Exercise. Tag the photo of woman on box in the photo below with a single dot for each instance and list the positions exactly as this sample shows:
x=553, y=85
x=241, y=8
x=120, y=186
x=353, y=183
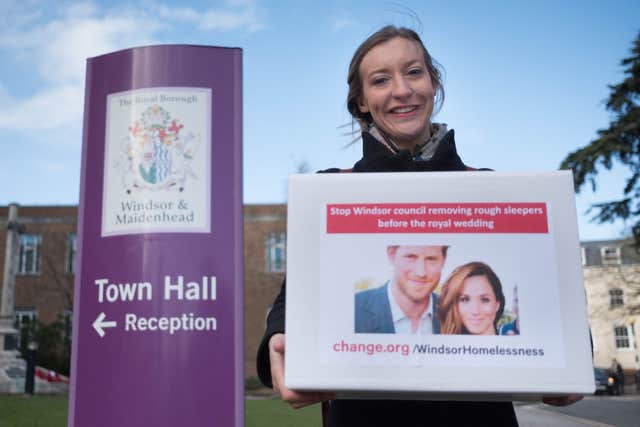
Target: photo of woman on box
x=394, y=88
x=471, y=301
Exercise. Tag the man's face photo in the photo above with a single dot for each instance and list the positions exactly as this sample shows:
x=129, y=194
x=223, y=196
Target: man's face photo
x=416, y=269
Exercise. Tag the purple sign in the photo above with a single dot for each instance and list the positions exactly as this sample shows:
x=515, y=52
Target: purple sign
x=158, y=320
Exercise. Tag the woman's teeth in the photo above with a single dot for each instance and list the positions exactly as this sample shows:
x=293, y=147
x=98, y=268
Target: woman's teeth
x=401, y=110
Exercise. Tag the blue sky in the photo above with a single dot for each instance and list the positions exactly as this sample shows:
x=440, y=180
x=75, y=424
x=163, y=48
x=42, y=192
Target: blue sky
x=525, y=81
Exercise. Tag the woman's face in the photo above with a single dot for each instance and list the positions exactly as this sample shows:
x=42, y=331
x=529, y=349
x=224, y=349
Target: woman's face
x=397, y=91
x=478, y=306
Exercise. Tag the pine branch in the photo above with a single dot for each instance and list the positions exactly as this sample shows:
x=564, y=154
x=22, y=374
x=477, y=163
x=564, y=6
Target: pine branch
x=610, y=211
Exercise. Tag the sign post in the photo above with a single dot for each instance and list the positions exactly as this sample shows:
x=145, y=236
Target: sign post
x=158, y=330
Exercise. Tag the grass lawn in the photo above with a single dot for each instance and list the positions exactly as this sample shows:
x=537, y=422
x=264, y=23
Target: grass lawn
x=275, y=413
x=38, y=411
x=51, y=411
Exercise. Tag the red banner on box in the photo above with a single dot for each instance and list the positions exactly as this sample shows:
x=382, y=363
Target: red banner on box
x=530, y=218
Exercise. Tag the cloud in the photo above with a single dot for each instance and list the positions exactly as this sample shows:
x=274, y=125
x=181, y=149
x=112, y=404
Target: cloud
x=54, y=107
x=5, y=98
x=74, y=40
x=341, y=21
x=54, y=167
x=59, y=47
x=56, y=42
x=56, y=50
x=236, y=15
x=339, y=24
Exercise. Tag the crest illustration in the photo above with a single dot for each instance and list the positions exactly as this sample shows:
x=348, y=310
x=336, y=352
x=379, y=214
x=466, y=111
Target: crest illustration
x=157, y=152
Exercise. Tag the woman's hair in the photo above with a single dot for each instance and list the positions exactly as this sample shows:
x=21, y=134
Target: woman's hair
x=450, y=319
x=383, y=35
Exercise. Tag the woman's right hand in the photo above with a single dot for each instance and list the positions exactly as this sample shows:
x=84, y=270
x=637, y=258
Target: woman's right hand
x=294, y=398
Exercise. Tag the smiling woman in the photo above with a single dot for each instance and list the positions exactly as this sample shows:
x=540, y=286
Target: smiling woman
x=397, y=92
x=394, y=88
x=394, y=85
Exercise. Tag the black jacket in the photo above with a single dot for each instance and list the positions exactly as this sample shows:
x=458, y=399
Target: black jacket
x=402, y=413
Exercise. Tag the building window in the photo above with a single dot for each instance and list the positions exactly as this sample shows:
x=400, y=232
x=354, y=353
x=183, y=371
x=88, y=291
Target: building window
x=276, y=252
x=25, y=317
x=67, y=322
x=616, y=298
x=71, y=253
x=610, y=255
x=623, y=337
x=29, y=261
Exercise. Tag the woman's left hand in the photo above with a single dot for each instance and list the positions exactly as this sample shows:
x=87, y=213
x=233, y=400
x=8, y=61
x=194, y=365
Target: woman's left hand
x=562, y=401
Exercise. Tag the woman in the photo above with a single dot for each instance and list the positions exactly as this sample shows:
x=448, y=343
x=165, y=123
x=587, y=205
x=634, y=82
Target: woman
x=394, y=87
x=471, y=301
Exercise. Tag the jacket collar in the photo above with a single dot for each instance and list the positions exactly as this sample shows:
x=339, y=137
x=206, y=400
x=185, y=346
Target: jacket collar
x=378, y=158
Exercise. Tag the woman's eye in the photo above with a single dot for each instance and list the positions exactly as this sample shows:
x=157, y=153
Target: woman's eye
x=379, y=81
x=464, y=298
x=486, y=300
x=415, y=71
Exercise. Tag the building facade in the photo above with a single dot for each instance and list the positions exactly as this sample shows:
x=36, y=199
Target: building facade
x=46, y=266
x=45, y=278
x=612, y=281
x=265, y=240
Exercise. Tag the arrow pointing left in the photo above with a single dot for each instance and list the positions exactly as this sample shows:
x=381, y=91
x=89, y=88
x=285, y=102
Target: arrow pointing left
x=99, y=324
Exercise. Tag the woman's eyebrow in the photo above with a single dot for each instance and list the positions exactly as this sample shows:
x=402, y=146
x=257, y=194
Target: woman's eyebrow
x=385, y=69
x=378, y=70
x=413, y=61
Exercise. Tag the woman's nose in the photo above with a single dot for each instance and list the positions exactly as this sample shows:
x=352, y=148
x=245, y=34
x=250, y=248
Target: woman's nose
x=401, y=88
x=475, y=307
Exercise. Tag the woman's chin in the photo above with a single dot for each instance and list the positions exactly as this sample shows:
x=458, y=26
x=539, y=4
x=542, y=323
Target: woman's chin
x=480, y=330
x=404, y=129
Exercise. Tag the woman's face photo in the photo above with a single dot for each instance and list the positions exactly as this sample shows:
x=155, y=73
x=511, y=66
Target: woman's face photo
x=397, y=91
x=478, y=306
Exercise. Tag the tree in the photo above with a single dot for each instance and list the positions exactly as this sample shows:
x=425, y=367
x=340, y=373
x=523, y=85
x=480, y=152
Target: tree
x=54, y=351
x=54, y=267
x=55, y=290
x=54, y=339
x=619, y=143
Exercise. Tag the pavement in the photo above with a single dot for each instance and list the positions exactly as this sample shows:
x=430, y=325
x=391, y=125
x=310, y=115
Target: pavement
x=537, y=416
x=613, y=411
x=533, y=414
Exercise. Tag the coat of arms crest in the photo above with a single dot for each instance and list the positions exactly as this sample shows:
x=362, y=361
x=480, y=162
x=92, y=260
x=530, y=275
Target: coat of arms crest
x=157, y=152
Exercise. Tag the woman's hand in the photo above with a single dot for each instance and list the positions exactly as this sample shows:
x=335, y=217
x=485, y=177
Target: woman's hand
x=562, y=401
x=295, y=399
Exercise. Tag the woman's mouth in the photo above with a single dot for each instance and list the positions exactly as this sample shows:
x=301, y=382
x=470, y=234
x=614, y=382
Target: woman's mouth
x=403, y=110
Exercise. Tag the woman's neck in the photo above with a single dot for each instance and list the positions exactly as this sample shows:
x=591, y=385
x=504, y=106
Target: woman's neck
x=396, y=145
x=413, y=144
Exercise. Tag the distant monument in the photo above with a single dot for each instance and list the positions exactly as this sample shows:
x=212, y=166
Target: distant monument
x=11, y=367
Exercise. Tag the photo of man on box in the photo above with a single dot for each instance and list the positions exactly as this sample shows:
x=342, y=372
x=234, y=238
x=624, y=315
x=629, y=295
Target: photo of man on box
x=407, y=303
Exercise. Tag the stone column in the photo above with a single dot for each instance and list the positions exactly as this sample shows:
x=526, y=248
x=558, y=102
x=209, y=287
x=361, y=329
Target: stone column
x=11, y=367
x=9, y=275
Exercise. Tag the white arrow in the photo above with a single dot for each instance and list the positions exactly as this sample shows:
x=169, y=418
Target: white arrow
x=99, y=324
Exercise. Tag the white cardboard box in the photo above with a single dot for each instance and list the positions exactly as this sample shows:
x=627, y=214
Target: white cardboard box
x=523, y=225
